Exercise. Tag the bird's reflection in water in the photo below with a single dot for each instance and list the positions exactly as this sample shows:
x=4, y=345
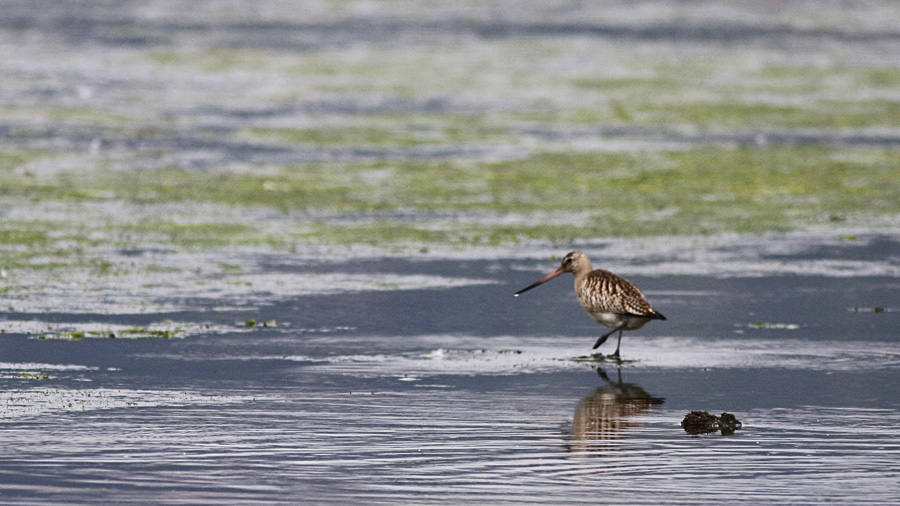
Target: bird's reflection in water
x=606, y=414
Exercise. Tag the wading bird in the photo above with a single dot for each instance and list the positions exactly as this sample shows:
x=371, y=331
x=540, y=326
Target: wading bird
x=610, y=299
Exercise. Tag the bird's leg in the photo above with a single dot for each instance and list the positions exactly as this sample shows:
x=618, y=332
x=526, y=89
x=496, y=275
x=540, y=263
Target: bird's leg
x=616, y=354
x=603, y=338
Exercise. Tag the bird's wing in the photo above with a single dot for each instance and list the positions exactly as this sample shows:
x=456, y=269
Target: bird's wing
x=616, y=294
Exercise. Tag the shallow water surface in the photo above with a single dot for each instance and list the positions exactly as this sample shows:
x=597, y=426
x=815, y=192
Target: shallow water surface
x=463, y=393
x=252, y=253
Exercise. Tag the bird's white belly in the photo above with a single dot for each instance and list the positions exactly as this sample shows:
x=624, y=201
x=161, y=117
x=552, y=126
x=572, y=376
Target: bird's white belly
x=613, y=320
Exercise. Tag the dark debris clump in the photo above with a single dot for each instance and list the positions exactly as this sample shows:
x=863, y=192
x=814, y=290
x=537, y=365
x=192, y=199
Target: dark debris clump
x=701, y=422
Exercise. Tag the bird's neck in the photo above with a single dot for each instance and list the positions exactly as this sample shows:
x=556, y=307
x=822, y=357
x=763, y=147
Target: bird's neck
x=581, y=275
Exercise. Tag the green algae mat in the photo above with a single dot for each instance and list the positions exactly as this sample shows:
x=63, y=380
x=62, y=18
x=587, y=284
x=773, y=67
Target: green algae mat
x=458, y=131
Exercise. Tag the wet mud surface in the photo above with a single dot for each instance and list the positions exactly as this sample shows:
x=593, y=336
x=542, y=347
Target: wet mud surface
x=140, y=86
x=203, y=335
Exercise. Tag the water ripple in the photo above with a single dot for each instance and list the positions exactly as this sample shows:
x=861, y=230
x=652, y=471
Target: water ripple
x=457, y=448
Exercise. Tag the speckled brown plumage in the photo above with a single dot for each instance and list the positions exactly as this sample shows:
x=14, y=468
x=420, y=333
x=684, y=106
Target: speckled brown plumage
x=610, y=299
x=601, y=291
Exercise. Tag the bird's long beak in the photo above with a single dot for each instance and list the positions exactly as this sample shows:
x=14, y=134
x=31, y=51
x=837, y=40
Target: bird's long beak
x=546, y=278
